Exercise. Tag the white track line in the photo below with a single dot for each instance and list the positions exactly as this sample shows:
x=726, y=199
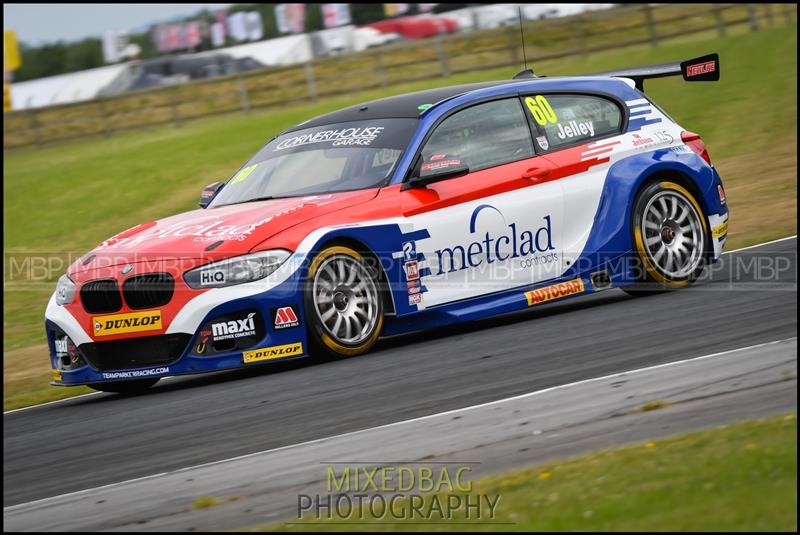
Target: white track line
x=761, y=244
x=95, y=393
x=51, y=402
x=65, y=399
x=11, y=508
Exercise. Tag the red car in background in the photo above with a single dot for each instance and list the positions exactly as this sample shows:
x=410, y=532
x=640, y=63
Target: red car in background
x=416, y=27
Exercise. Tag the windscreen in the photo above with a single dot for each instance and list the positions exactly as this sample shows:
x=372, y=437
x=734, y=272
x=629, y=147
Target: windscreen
x=337, y=157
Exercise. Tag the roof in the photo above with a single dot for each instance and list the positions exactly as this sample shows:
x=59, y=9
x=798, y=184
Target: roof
x=399, y=106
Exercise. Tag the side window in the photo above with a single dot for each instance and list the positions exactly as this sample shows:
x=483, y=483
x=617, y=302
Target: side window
x=571, y=119
x=483, y=136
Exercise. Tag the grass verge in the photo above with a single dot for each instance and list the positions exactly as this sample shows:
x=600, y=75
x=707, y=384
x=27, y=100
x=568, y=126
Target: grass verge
x=740, y=477
x=64, y=199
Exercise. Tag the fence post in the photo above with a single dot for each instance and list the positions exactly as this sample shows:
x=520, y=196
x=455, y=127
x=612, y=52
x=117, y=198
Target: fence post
x=34, y=126
x=104, y=117
x=176, y=117
x=581, y=29
x=380, y=68
x=651, y=26
x=720, y=21
x=787, y=14
x=751, y=8
x=310, y=83
x=768, y=9
x=514, y=43
x=244, y=98
x=443, y=59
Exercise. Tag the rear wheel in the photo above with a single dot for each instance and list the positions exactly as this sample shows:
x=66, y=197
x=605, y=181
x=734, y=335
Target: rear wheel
x=342, y=302
x=125, y=387
x=670, y=238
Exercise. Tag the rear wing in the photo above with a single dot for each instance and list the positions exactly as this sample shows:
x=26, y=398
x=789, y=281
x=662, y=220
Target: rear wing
x=702, y=69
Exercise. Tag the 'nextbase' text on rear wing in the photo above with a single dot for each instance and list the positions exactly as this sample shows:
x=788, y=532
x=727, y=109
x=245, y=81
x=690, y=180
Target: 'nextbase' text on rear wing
x=702, y=69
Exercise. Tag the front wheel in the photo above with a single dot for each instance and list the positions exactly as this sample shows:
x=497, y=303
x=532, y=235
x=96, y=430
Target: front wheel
x=342, y=302
x=670, y=238
x=136, y=386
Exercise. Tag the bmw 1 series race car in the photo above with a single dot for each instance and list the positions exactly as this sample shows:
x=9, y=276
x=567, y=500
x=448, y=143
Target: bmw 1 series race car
x=400, y=214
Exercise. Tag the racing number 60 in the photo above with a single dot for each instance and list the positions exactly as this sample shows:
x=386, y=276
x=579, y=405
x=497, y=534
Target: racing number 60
x=541, y=110
x=244, y=173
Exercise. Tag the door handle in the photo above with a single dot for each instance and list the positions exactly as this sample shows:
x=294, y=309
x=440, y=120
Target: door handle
x=536, y=173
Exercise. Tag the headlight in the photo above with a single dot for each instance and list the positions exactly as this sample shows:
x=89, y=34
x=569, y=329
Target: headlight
x=237, y=270
x=65, y=290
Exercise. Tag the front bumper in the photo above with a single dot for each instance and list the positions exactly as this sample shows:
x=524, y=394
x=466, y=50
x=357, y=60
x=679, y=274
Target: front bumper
x=192, y=345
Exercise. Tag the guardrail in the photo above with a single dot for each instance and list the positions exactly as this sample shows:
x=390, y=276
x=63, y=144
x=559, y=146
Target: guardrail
x=577, y=35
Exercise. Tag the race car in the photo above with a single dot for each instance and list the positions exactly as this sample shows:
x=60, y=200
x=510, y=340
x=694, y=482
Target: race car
x=405, y=213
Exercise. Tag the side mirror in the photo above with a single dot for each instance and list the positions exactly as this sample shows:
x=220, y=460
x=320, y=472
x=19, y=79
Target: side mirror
x=209, y=192
x=438, y=167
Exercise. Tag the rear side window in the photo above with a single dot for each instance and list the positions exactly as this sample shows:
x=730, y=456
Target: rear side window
x=572, y=119
x=484, y=135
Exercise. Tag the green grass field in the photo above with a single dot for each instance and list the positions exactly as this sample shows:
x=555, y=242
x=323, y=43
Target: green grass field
x=741, y=477
x=64, y=199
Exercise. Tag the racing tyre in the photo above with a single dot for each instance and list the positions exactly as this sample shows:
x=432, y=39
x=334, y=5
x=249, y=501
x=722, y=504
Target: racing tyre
x=670, y=237
x=343, y=304
x=137, y=386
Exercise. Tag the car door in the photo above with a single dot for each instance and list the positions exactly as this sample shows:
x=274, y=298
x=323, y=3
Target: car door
x=577, y=133
x=497, y=227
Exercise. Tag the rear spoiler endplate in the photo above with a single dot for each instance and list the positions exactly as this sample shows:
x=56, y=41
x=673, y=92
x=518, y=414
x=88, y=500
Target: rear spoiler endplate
x=702, y=69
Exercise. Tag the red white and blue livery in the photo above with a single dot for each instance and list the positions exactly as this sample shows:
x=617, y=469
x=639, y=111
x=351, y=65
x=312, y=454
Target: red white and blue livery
x=410, y=212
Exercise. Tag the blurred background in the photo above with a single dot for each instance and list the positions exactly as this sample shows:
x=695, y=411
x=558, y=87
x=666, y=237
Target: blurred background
x=104, y=54
x=120, y=114
x=87, y=69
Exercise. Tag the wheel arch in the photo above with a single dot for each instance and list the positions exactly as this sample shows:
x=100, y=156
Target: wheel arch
x=678, y=176
x=362, y=248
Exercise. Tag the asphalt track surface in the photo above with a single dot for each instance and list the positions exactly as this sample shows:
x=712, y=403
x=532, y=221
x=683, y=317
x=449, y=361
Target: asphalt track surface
x=750, y=298
x=279, y=486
